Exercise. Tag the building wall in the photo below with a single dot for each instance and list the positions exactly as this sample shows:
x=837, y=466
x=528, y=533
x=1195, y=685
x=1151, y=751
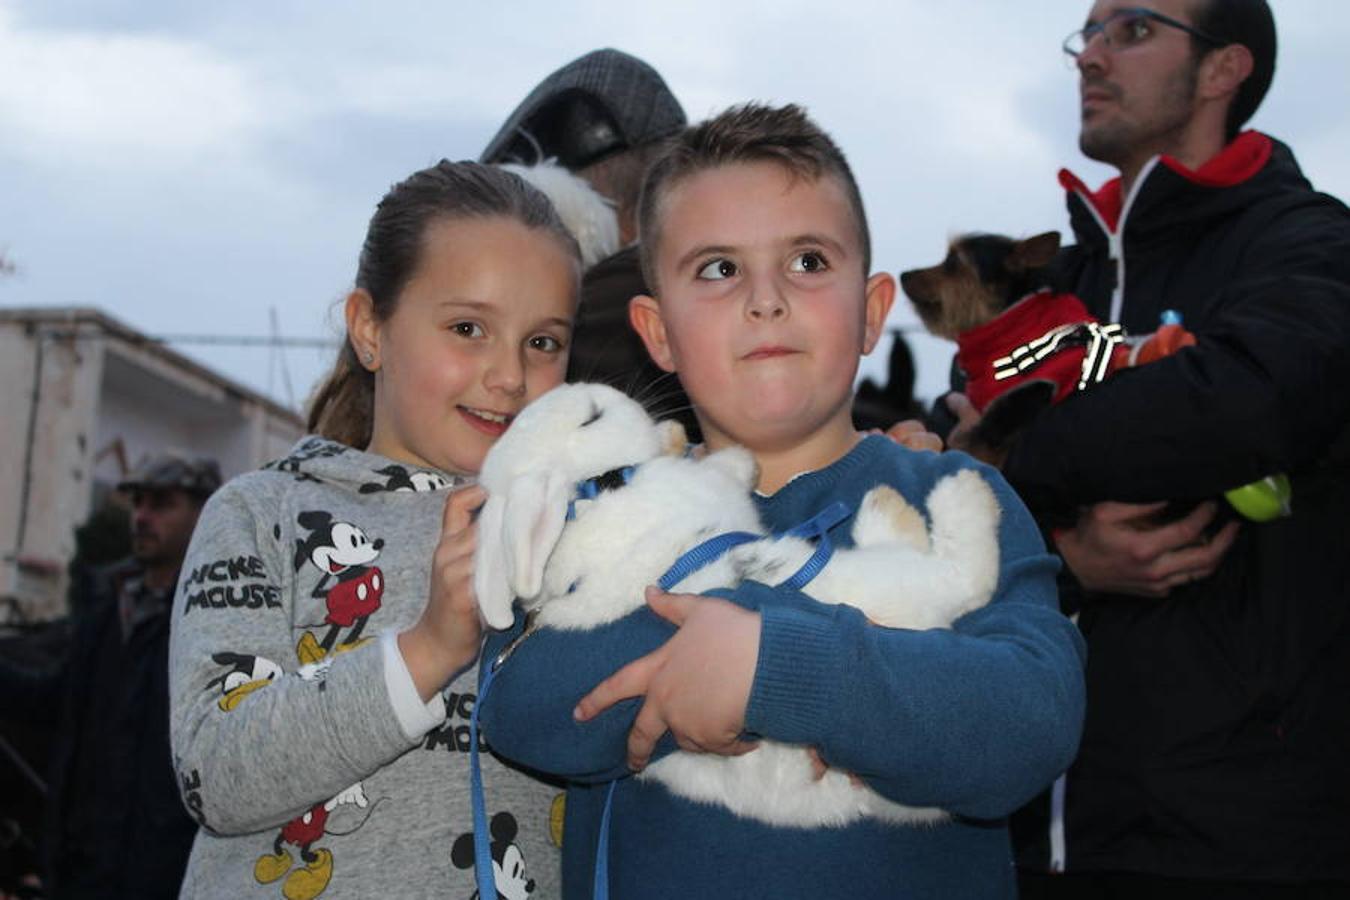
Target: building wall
x=52, y=481
x=106, y=399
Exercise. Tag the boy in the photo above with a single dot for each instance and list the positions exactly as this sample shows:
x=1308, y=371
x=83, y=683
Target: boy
x=756, y=246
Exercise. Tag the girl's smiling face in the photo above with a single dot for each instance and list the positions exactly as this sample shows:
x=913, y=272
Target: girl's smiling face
x=480, y=329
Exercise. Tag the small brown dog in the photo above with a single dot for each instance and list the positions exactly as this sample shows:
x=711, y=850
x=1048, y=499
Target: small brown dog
x=982, y=276
x=1020, y=344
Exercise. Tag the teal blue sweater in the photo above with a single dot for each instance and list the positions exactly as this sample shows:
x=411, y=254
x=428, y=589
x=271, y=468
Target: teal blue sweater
x=976, y=720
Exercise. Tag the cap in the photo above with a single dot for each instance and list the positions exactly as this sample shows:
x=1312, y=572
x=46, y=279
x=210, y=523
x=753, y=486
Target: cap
x=595, y=106
x=200, y=476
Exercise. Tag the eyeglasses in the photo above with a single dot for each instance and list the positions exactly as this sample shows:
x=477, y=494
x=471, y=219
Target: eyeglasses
x=1129, y=28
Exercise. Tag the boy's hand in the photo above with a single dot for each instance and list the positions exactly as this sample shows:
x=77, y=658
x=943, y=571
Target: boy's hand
x=447, y=637
x=696, y=685
x=1123, y=549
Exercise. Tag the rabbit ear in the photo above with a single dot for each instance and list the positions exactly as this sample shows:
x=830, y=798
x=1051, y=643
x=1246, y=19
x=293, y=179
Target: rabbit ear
x=673, y=437
x=536, y=510
x=490, y=575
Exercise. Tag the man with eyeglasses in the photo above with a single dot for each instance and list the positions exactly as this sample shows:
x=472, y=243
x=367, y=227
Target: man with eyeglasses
x=1215, y=760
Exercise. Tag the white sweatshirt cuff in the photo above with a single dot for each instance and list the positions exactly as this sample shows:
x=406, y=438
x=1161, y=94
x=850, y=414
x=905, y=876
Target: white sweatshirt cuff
x=414, y=717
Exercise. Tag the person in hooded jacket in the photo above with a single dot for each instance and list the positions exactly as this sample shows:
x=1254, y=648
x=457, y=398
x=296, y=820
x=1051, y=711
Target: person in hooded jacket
x=1213, y=758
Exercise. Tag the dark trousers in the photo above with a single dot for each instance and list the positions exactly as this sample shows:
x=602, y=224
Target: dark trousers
x=1131, y=886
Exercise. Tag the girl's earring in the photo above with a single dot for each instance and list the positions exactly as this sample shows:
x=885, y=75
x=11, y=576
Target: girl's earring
x=368, y=358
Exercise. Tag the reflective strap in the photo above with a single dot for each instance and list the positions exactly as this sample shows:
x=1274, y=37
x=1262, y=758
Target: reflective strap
x=1102, y=341
x=1031, y=354
x=1099, y=340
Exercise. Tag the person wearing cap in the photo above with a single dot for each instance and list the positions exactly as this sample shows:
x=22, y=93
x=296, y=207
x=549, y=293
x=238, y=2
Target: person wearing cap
x=603, y=117
x=115, y=824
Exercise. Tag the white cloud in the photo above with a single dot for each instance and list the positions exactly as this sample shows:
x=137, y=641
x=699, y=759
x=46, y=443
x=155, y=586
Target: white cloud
x=214, y=162
x=87, y=96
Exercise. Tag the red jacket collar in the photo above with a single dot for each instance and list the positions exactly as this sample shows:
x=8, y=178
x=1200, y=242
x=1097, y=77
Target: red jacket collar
x=1244, y=156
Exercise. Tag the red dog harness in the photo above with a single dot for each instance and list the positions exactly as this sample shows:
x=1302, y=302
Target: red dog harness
x=1044, y=336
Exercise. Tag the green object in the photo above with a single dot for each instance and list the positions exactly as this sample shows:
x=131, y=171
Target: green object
x=1263, y=500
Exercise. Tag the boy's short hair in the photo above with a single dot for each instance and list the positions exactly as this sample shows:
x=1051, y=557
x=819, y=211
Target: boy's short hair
x=745, y=134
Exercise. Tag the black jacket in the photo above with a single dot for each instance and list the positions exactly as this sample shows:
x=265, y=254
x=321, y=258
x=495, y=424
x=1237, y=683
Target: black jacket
x=1218, y=725
x=129, y=837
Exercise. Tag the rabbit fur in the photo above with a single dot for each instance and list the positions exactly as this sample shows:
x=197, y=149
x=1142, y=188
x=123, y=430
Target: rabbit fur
x=902, y=571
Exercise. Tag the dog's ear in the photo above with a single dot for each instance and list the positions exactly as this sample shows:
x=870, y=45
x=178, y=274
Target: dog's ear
x=1034, y=252
x=536, y=510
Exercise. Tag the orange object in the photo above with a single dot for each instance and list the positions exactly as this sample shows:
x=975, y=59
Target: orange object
x=1168, y=339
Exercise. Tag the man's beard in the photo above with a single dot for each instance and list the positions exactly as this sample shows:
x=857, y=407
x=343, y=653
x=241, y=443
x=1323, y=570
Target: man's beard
x=147, y=549
x=1116, y=142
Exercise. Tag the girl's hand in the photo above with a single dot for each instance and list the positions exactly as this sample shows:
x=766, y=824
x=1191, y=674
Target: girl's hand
x=447, y=638
x=911, y=433
x=696, y=685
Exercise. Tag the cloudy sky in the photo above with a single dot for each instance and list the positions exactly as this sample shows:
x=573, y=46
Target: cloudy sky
x=195, y=168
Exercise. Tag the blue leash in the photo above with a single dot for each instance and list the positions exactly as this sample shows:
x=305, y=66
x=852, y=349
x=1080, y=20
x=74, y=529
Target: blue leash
x=600, y=888
x=815, y=528
x=591, y=488
x=482, y=843
x=707, y=552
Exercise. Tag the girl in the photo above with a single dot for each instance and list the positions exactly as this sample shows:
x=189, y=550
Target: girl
x=324, y=629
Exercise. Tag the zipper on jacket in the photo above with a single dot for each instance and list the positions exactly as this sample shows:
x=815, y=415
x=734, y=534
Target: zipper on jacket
x=1115, y=238
x=1059, y=849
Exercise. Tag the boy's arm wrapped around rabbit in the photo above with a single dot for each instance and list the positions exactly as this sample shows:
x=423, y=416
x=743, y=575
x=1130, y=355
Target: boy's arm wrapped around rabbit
x=620, y=541
x=975, y=719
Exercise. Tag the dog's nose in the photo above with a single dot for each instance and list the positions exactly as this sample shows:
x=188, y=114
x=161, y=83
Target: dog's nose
x=909, y=282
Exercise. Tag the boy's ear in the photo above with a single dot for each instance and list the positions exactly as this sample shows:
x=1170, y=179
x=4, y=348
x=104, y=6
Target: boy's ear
x=877, y=302
x=644, y=314
x=363, y=328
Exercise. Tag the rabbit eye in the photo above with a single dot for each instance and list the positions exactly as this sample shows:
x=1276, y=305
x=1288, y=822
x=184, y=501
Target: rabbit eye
x=596, y=413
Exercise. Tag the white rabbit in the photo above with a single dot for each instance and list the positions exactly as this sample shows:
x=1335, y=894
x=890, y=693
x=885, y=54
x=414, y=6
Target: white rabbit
x=590, y=570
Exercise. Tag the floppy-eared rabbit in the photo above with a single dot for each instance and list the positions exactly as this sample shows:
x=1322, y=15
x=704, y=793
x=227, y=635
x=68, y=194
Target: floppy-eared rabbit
x=902, y=572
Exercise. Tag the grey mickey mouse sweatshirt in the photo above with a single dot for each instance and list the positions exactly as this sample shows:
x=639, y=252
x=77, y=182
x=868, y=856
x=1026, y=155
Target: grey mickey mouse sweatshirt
x=300, y=743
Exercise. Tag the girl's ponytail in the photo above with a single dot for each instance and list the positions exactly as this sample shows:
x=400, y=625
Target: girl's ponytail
x=343, y=408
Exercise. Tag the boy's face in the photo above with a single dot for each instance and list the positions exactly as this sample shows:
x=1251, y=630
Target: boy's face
x=764, y=307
